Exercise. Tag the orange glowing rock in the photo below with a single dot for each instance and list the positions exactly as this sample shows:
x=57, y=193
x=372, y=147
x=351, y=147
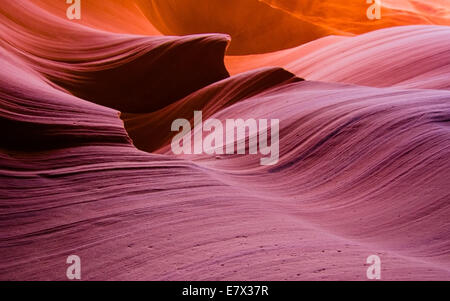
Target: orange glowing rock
x=120, y=16
x=351, y=16
x=254, y=26
x=259, y=26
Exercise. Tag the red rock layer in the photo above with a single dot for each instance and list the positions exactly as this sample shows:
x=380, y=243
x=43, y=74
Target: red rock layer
x=362, y=170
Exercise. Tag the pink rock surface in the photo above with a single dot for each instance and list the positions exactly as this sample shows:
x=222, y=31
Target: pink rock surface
x=364, y=156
